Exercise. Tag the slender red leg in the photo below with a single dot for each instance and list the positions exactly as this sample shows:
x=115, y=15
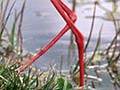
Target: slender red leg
x=44, y=49
x=79, y=38
x=70, y=18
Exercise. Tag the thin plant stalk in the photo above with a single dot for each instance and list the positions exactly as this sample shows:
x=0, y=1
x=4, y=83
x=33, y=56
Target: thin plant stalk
x=1, y=6
x=4, y=14
x=3, y=17
x=97, y=45
x=12, y=35
x=61, y=65
x=71, y=47
x=92, y=25
x=5, y=10
x=19, y=35
x=112, y=42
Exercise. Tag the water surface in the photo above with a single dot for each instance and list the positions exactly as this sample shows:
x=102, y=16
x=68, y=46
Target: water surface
x=42, y=22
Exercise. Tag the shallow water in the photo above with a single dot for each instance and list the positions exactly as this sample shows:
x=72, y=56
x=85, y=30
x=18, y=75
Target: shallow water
x=42, y=22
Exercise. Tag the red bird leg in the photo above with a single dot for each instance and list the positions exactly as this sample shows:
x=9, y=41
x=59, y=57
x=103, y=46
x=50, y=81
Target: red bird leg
x=78, y=35
x=73, y=17
x=75, y=31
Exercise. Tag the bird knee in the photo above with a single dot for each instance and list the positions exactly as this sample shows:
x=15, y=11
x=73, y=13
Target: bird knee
x=73, y=17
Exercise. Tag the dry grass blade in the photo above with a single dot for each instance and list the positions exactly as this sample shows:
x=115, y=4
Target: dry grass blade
x=3, y=17
x=71, y=47
x=5, y=10
x=12, y=35
x=19, y=35
x=1, y=6
x=97, y=45
x=92, y=25
x=6, y=20
x=112, y=42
